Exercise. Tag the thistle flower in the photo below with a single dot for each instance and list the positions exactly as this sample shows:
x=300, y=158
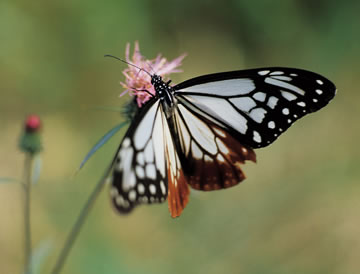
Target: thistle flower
x=137, y=80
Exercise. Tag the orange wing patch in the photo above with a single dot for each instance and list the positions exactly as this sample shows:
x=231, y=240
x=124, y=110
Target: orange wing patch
x=178, y=193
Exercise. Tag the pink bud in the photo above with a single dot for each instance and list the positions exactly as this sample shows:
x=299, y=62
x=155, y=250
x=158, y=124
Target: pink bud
x=32, y=123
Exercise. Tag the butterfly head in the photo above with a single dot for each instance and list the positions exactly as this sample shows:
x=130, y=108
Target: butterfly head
x=156, y=80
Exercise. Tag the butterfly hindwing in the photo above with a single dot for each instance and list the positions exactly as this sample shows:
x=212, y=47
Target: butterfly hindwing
x=140, y=168
x=211, y=157
x=258, y=105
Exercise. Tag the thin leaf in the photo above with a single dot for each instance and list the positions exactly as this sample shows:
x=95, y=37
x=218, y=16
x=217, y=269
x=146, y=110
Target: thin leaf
x=100, y=143
x=5, y=180
x=36, y=170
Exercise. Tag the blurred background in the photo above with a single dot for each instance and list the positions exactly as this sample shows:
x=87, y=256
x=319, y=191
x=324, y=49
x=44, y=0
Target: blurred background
x=298, y=210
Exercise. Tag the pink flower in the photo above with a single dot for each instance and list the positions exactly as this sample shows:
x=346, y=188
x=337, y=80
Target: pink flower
x=137, y=80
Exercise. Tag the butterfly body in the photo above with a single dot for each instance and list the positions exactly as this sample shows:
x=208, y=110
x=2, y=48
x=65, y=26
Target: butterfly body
x=200, y=132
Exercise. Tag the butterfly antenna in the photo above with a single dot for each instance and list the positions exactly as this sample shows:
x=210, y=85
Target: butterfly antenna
x=130, y=64
x=147, y=62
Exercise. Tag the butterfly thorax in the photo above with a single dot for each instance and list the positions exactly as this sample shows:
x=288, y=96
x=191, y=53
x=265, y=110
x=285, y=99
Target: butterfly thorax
x=165, y=93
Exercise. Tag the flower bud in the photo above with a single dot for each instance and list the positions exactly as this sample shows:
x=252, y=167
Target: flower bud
x=30, y=140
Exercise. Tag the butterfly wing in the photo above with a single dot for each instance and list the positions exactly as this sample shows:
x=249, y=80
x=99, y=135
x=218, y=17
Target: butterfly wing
x=147, y=168
x=221, y=117
x=211, y=157
x=256, y=106
x=139, y=172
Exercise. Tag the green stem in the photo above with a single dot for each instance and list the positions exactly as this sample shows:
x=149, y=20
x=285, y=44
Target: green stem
x=27, y=227
x=78, y=225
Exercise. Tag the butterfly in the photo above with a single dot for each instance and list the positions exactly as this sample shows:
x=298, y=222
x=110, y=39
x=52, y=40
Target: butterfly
x=200, y=132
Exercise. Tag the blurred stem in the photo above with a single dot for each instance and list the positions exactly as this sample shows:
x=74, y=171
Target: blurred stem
x=27, y=229
x=78, y=225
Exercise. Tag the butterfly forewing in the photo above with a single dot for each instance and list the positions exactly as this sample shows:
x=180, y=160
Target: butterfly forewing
x=256, y=106
x=140, y=168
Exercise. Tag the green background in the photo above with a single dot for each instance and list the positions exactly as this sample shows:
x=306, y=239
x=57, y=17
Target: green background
x=298, y=210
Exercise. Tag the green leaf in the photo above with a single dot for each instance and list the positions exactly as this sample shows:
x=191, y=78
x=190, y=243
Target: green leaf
x=101, y=142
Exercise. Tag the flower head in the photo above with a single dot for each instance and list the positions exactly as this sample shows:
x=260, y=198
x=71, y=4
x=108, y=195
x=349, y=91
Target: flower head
x=136, y=80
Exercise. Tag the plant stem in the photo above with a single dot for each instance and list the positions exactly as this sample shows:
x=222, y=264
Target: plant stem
x=27, y=227
x=78, y=225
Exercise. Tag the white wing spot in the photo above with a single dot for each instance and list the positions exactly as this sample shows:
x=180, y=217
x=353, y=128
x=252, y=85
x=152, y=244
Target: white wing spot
x=319, y=91
x=140, y=172
x=151, y=171
x=271, y=124
x=293, y=74
x=301, y=104
x=282, y=84
x=263, y=72
x=280, y=129
x=284, y=78
x=132, y=195
x=207, y=158
x=315, y=100
x=126, y=143
x=319, y=82
x=221, y=146
x=260, y=96
x=163, y=188
x=145, y=199
x=220, y=158
x=119, y=201
x=196, y=152
x=128, y=182
x=272, y=102
x=114, y=192
x=219, y=132
x=243, y=103
x=285, y=111
x=152, y=189
x=288, y=96
x=141, y=188
x=257, y=137
x=258, y=114
x=289, y=121
x=140, y=158
x=277, y=73
x=295, y=116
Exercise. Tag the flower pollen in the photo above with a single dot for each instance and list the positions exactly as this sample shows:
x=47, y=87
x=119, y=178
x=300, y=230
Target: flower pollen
x=138, y=82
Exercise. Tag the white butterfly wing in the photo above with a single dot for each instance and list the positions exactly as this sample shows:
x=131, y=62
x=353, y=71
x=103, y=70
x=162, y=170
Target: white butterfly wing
x=147, y=168
x=140, y=168
x=256, y=106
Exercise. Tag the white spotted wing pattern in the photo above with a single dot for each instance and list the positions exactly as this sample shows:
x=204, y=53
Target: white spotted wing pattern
x=139, y=170
x=201, y=131
x=256, y=105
